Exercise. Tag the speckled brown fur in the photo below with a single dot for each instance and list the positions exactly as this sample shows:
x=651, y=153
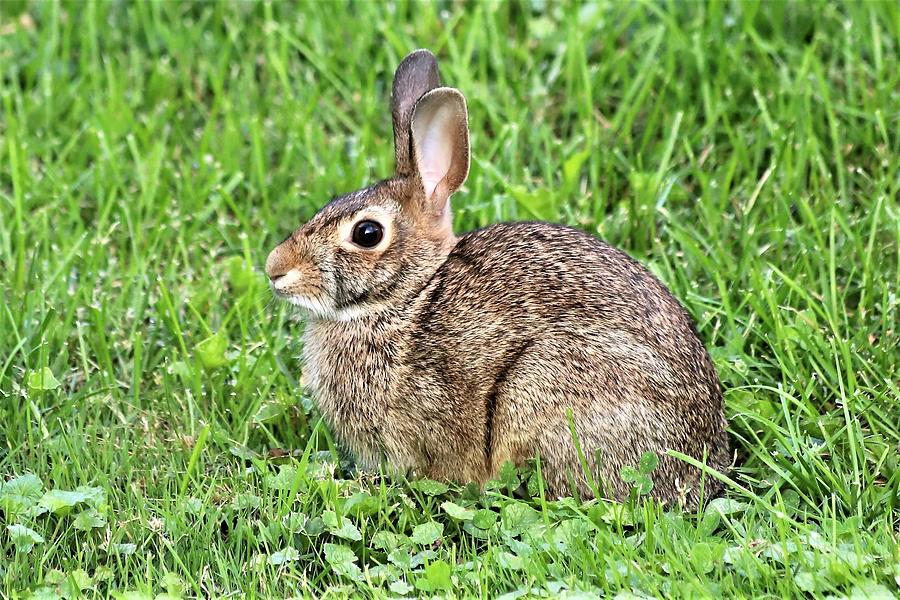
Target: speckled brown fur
x=446, y=357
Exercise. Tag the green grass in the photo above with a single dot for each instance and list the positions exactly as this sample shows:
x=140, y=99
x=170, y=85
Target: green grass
x=151, y=155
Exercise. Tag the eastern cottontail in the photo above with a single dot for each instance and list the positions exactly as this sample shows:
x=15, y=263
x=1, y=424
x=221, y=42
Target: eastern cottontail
x=444, y=357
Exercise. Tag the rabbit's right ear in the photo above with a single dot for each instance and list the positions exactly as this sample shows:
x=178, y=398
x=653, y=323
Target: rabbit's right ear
x=416, y=75
x=440, y=141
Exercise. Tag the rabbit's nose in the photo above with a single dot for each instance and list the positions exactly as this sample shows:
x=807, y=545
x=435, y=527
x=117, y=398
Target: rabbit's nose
x=275, y=275
x=276, y=266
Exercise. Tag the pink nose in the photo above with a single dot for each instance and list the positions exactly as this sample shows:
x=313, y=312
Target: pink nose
x=276, y=266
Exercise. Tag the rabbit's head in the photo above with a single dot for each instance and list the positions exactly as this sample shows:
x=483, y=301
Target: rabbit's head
x=368, y=249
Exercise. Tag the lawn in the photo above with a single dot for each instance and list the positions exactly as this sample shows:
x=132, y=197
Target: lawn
x=155, y=437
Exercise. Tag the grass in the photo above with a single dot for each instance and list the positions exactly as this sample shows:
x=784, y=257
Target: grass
x=152, y=154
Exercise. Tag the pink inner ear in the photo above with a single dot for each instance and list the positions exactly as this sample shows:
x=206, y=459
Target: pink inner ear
x=435, y=149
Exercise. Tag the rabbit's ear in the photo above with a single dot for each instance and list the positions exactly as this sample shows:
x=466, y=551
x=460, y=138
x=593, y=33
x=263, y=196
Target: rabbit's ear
x=416, y=75
x=440, y=140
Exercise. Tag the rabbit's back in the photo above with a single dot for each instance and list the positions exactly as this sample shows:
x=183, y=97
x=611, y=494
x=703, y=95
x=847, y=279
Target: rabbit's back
x=513, y=283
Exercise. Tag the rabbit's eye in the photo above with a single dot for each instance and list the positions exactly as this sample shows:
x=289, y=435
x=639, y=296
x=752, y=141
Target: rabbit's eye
x=367, y=234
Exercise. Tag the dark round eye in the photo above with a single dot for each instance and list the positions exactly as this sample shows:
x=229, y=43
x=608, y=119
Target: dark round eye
x=367, y=234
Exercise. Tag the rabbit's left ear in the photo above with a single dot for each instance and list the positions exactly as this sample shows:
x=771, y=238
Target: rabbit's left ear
x=440, y=140
x=416, y=75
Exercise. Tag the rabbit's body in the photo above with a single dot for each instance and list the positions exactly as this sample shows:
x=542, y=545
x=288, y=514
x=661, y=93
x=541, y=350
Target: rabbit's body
x=446, y=357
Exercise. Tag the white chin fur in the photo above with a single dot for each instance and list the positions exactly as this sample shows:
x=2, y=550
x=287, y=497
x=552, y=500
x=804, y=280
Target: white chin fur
x=324, y=310
x=314, y=306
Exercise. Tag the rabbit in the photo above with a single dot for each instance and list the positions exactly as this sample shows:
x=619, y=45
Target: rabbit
x=432, y=355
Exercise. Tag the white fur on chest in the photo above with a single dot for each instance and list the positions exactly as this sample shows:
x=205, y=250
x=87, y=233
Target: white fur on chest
x=352, y=375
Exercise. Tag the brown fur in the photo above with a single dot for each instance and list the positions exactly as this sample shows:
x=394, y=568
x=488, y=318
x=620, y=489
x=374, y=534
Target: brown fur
x=446, y=357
